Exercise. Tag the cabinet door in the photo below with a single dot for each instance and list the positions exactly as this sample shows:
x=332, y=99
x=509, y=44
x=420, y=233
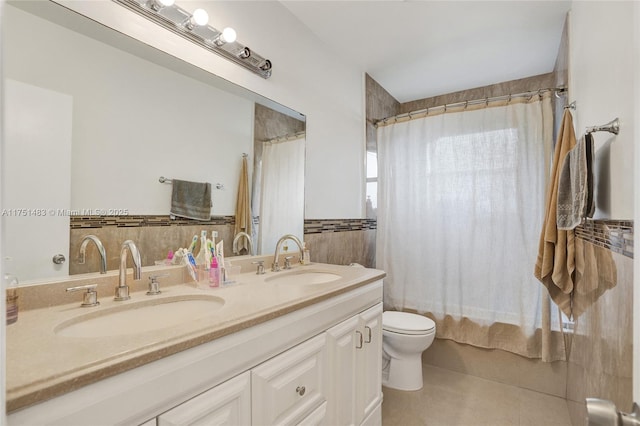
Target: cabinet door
x=369, y=363
x=227, y=404
x=341, y=345
x=288, y=387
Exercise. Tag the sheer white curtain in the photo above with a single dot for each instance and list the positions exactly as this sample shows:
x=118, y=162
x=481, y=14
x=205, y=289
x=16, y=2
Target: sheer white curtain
x=282, y=192
x=460, y=205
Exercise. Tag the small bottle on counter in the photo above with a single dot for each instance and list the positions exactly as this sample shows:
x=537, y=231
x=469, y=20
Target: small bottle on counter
x=214, y=273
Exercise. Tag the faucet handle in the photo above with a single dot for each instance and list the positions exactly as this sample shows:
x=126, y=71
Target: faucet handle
x=155, y=277
x=154, y=285
x=260, y=269
x=122, y=293
x=287, y=262
x=90, y=298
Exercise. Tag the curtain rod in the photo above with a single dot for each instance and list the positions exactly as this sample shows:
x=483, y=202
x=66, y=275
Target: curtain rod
x=557, y=91
x=285, y=138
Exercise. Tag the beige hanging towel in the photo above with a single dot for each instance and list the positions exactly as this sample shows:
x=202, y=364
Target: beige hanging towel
x=556, y=252
x=243, y=207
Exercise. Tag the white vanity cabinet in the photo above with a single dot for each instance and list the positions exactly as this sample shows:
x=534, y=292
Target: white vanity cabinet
x=354, y=367
x=331, y=379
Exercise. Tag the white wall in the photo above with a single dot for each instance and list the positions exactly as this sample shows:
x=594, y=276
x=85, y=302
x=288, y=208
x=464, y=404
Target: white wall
x=306, y=77
x=133, y=121
x=605, y=82
x=601, y=81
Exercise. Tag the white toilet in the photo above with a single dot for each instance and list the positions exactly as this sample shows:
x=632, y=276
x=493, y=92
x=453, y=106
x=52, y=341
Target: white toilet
x=404, y=337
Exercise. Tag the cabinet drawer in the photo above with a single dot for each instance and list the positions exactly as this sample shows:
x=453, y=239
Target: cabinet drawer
x=287, y=388
x=227, y=404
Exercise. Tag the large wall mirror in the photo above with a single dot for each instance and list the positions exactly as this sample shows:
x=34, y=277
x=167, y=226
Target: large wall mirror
x=93, y=119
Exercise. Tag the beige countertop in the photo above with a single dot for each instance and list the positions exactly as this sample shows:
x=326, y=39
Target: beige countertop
x=41, y=363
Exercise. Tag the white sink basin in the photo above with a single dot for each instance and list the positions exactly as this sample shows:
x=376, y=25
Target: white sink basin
x=303, y=277
x=140, y=317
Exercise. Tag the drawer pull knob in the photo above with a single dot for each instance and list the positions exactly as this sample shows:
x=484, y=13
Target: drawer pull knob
x=300, y=390
x=368, y=339
x=359, y=343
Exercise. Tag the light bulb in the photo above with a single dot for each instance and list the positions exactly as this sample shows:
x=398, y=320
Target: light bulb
x=229, y=35
x=199, y=17
x=167, y=3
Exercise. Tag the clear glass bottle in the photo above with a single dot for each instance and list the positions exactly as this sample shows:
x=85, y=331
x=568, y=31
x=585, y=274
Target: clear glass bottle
x=201, y=258
x=306, y=254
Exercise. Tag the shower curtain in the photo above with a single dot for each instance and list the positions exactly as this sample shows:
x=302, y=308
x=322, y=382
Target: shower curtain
x=460, y=205
x=282, y=192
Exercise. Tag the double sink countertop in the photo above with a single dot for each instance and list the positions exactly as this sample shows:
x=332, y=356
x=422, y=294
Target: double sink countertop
x=56, y=349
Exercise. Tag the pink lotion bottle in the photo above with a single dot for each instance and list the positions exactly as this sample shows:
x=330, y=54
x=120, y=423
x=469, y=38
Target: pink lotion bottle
x=214, y=273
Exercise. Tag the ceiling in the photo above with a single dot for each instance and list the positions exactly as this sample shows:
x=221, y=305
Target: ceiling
x=419, y=49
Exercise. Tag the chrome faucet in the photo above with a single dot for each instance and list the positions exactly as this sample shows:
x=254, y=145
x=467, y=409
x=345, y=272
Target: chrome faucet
x=101, y=250
x=237, y=238
x=275, y=267
x=122, y=291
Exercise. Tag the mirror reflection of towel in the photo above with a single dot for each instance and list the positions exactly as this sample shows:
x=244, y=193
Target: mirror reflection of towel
x=243, y=207
x=191, y=200
x=575, y=188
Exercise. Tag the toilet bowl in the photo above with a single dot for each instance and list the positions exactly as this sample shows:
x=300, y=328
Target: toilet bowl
x=404, y=337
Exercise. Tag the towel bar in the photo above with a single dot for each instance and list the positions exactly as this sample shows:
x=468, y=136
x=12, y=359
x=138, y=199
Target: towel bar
x=612, y=127
x=163, y=179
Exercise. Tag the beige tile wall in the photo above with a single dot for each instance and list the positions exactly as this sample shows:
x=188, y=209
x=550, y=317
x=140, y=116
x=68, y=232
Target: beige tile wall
x=600, y=361
x=153, y=242
x=341, y=241
x=343, y=248
x=500, y=89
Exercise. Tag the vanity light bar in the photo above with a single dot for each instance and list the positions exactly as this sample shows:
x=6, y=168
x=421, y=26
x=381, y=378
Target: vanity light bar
x=175, y=19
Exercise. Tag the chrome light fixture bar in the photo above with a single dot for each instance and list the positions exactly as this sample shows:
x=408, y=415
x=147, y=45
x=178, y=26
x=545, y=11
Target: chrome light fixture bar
x=193, y=27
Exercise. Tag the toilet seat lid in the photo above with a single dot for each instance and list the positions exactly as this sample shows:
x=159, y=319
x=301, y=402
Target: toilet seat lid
x=406, y=323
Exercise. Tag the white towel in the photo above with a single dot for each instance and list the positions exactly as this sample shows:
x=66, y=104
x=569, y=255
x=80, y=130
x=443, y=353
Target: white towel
x=575, y=188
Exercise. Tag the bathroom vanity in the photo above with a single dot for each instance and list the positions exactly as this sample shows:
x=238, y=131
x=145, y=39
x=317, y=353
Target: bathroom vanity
x=294, y=347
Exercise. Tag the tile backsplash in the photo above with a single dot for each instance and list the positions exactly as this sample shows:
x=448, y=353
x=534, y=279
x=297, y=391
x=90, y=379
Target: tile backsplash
x=337, y=241
x=615, y=235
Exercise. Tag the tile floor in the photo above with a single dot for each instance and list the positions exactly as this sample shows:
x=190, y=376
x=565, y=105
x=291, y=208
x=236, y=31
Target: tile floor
x=449, y=398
